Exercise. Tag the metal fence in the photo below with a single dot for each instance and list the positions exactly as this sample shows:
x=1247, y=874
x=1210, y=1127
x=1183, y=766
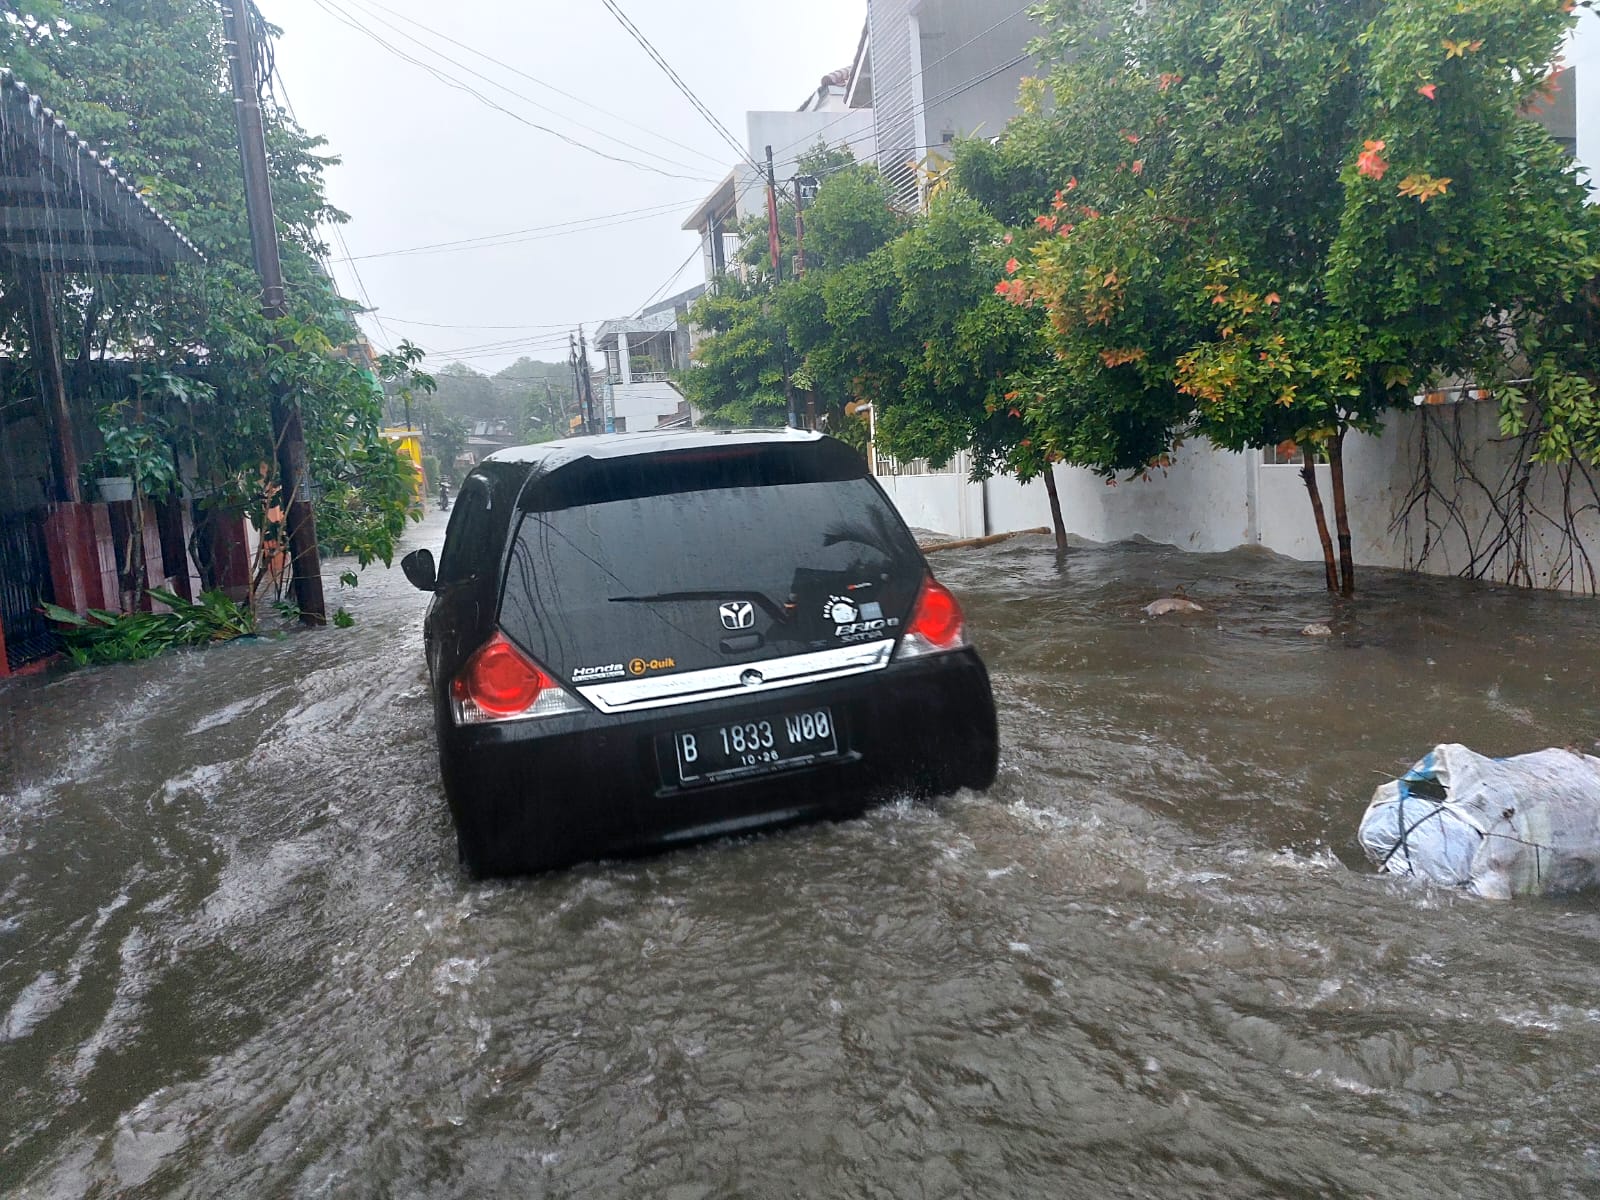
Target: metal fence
x=24, y=583
x=883, y=464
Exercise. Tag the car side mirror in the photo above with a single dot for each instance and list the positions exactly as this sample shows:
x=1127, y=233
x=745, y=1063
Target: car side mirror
x=419, y=569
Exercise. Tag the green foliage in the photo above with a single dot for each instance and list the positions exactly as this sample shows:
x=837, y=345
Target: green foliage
x=534, y=398
x=105, y=637
x=738, y=379
x=822, y=162
x=145, y=81
x=1281, y=220
x=136, y=449
x=342, y=619
x=850, y=218
x=1254, y=222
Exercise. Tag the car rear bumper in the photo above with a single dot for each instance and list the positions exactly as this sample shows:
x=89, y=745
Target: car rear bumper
x=539, y=794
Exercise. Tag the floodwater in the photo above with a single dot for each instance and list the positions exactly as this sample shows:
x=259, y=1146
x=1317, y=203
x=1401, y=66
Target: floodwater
x=236, y=957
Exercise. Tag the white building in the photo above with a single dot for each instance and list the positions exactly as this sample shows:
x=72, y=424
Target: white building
x=641, y=353
x=935, y=70
x=823, y=118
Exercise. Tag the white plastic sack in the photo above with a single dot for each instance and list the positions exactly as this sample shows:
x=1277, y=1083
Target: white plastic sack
x=1499, y=827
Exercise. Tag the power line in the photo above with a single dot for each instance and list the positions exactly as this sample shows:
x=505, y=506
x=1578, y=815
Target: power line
x=542, y=83
x=367, y=12
x=677, y=81
x=451, y=82
x=562, y=325
x=387, y=343
x=671, y=279
x=533, y=233
x=952, y=92
x=504, y=346
x=530, y=351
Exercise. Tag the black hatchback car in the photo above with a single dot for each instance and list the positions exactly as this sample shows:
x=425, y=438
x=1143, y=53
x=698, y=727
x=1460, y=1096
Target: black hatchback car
x=645, y=639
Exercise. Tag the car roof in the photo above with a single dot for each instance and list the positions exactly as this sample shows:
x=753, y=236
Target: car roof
x=544, y=457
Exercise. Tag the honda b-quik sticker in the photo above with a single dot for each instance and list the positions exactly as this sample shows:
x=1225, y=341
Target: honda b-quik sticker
x=596, y=674
x=857, y=620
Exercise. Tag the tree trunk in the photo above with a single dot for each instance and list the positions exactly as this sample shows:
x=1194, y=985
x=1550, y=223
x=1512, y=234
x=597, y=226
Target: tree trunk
x=1055, y=509
x=1308, y=472
x=1341, y=516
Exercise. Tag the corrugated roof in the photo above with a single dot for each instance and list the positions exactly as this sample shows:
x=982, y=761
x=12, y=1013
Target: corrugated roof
x=65, y=208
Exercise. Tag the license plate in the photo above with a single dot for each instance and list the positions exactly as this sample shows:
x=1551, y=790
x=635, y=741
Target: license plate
x=716, y=752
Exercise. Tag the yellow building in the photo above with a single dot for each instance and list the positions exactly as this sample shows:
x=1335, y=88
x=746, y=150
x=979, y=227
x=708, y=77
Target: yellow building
x=408, y=445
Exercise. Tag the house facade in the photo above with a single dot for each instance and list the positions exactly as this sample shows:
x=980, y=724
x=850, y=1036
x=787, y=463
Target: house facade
x=641, y=355
x=825, y=117
x=65, y=211
x=931, y=71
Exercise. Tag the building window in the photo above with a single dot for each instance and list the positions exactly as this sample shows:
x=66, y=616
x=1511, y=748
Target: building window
x=1287, y=454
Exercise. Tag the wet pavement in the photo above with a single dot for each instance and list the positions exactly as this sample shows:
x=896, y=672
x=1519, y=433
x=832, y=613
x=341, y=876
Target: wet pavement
x=236, y=957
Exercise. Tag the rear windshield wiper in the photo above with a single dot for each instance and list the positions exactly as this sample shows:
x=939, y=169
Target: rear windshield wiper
x=778, y=612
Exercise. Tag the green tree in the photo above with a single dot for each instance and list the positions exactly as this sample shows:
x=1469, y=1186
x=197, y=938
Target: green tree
x=754, y=330
x=146, y=82
x=823, y=163
x=737, y=379
x=1282, y=220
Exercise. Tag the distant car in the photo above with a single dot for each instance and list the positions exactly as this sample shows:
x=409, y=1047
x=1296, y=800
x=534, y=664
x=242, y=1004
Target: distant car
x=647, y=639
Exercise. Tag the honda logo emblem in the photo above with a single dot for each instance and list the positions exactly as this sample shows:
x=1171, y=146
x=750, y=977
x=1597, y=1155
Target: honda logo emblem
x=737, y=614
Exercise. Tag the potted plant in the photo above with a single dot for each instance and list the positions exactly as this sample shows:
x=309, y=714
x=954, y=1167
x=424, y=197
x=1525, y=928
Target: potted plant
x=135, y=462
x=114, y=489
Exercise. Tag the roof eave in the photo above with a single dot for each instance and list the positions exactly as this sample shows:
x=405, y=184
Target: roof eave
x=722, y=196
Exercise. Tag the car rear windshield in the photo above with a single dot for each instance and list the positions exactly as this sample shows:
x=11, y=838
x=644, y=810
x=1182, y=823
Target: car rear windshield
x=652, y=566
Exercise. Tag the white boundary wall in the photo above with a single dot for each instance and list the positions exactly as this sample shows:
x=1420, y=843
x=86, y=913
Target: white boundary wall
x=1211, y=500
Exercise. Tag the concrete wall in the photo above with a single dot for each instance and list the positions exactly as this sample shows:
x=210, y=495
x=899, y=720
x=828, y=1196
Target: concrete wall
x=970, y=76
x=643, y=404
x=941, y=66
x=791, y=134
x=1211, y=500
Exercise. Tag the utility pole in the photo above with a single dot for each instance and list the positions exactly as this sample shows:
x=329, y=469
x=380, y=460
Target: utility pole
x=577, y=383
x=774, y=243
x=801, y=183
x=586, y=381
x=287, y=432
x=800, y=224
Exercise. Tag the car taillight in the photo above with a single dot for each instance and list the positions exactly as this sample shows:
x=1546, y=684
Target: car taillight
x=936, y=623
x=500, y=683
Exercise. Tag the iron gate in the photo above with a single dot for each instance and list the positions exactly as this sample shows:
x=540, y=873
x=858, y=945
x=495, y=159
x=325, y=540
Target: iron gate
x=24, y=583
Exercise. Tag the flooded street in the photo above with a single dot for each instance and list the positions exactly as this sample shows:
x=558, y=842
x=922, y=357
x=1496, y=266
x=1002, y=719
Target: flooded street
x=237, y=958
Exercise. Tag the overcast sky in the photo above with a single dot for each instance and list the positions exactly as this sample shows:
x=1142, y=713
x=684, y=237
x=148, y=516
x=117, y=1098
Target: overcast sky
x=424, y=162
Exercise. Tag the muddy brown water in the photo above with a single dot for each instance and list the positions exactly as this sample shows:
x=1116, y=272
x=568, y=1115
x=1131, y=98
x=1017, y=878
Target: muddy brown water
x=236, y=957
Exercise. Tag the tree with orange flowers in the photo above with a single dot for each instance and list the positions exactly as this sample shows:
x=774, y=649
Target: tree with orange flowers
x=1262, y=221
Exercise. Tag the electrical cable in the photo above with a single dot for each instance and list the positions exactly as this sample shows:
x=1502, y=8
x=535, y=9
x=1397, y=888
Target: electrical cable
x=671, y=279
x=514, y=349
x=450, y=81
x=562, y=325
x=542, y=83
x=504, y=344
x=364, y=10
x=677, y=81
x=533, y=233
x=386, y=343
